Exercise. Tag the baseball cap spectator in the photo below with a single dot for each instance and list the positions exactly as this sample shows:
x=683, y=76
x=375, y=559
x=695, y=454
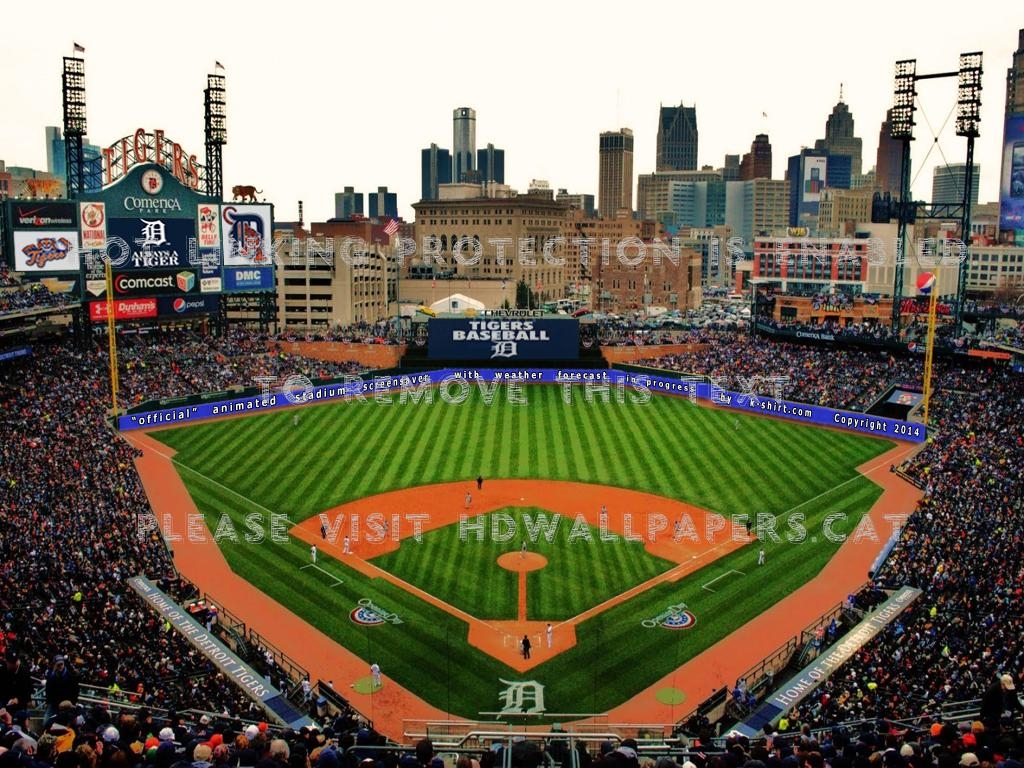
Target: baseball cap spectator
x=968, y=759
x=110, y=734
x=251, y=732
x=166, y=734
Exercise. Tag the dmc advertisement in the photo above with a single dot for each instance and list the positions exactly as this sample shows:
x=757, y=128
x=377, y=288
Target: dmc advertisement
x=814, y=178
x=498, y=338
x=1011, y=192
x=36, y=251
x=248, y=279
x=247, y=235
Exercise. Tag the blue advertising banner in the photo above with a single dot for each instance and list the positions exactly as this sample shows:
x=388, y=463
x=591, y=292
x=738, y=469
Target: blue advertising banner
x=487, y=338
x=638, y=385
x=248, y=279
x=1011, y=191
x=11, y=354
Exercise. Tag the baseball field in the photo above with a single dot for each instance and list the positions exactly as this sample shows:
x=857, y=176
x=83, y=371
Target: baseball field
x=622, y=524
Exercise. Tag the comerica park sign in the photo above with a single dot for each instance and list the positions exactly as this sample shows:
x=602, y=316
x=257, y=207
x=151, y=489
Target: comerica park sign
x=142, y=147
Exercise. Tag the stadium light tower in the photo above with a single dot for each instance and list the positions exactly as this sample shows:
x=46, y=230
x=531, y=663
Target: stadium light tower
x=215, y=113
x=968, y=121
x=73, y=81
x=902, y=129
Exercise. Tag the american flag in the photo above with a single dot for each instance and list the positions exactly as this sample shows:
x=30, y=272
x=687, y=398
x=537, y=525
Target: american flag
x=391, y=228
x=78, y=48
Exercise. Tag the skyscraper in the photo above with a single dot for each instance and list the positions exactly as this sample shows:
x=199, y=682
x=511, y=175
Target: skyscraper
x=809, y=173
x=1015, y=80
x=757, y=163
x=490, y=162
x=948, y=184
x=463, y=143
x=677, y=139
x=436, y=168
x=383, y=204
x=888, y=159
x=615, y=172
x=348, y=203
x=57, y=164
x=839, y=138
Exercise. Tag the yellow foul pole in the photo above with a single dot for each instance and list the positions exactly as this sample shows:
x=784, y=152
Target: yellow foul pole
x=930, y=346
x=112, y=339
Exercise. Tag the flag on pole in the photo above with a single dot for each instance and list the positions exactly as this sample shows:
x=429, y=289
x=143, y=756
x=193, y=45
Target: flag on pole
x=78, y=48
x=218, y=65
x=391, y=228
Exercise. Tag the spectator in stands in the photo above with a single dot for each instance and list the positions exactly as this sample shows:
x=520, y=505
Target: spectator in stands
x=15, y=682
x=61, y=685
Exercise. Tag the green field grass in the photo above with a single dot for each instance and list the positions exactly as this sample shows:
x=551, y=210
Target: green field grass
x=669, y=447
x=577, y=576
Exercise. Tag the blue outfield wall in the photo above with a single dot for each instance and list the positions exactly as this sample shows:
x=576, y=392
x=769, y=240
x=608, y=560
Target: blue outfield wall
x=456, y=380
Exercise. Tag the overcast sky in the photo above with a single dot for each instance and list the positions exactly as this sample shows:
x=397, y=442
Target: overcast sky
x=321, y=96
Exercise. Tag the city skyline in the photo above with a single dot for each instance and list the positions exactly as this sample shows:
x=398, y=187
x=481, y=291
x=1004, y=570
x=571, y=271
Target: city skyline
x=333, y=131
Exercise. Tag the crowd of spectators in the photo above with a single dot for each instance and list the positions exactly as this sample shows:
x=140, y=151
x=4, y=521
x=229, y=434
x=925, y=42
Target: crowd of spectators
x=961, y=546
x=72, y=499
x=96, y=737
x=839, y=377
x=17, y=298
x=172, y=363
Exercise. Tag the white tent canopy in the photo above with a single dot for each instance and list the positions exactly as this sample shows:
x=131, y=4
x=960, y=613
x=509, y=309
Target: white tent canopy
x=457, y=302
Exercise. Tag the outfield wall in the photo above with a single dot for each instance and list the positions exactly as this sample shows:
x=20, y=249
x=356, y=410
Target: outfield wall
x=457, y=383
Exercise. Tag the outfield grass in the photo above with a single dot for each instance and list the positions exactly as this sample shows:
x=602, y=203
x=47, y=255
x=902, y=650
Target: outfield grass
x=668, y=447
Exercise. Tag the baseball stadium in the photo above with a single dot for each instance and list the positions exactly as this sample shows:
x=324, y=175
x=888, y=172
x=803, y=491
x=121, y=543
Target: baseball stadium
x=470, y=532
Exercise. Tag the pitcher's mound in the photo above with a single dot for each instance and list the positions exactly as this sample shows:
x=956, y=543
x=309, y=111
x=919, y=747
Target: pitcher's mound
x=518, y=561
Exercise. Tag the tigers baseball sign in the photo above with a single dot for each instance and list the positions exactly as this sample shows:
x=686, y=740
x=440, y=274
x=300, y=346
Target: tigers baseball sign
x=489, y=338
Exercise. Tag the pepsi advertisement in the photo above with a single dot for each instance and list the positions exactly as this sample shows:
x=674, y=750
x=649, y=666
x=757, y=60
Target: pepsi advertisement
x=491, y=338
x=171, y=306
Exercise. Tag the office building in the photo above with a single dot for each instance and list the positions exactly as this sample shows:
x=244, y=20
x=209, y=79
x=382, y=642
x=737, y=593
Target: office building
x=615, y=176
x=888, y=160
x=839, y=138
x=490, y=164
x=757, y=163
x=948, y=184
x=677, y=139
x=435, y=169
x=348, y=203
x=809, y=173
x=382, y=204
x=463, y=144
